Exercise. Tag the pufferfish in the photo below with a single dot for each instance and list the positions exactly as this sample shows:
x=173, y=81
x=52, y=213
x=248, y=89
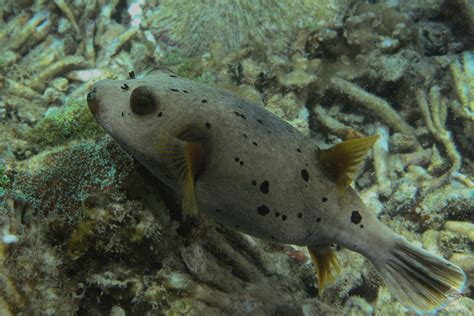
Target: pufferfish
x=253, y=172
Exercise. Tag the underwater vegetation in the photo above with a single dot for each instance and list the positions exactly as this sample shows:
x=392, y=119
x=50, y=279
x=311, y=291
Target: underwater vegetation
x=85, y=229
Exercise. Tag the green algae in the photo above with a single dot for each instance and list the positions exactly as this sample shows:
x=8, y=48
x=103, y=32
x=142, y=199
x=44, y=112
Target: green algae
x=4, y=179
x=60, y=125
x=183, y=66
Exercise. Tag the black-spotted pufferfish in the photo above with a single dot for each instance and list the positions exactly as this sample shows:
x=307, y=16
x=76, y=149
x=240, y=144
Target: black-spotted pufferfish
x=251, y=171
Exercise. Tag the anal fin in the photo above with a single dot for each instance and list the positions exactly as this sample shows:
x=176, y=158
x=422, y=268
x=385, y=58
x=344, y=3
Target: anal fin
x=326, y=263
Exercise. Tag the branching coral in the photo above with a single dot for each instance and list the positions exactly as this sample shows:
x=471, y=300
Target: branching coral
x=378, y=105
x=463, y=74
x=434, y=110
x=381, y=155
x=68, y=12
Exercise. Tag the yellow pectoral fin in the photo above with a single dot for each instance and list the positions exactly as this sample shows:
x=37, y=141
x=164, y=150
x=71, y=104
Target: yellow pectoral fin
x=186, y=161
x=327, y=266
x=343, y=160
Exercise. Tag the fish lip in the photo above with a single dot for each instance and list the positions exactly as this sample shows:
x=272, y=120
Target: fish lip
x=92, y=101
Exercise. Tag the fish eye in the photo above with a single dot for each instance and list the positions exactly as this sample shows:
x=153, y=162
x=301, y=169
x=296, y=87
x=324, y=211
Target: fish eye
x=143, y=101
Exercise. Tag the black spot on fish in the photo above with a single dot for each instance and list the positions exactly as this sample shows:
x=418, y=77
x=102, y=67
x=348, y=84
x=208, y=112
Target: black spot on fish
x=218, y=211
x=160, y=114
x=185, y=91
x=208, y=125
x=263, y=210
x=129, y=113
x=324, y=199
x=122, y=114
x=356, y=218
x=254, y=182
x=305, y=175
x=245, y=135
x=277, y=214
x=124, y=86
x=174, y=90
x=255, y=143
x=260, y=121
x=173, y=76
x=241, y=163
x=240, y=115
x=298, y=150
x=236, y=159
x=361, y=226
x=131, y=74
x=318, y=219
x=265, y=187
x=269, y=132
x=203, y=101
x=300, y=215
x=283, y=217
x=273, y=237
x=237, y=226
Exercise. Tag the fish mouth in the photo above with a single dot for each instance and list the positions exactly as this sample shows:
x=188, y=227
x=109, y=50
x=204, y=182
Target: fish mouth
x=92, y=101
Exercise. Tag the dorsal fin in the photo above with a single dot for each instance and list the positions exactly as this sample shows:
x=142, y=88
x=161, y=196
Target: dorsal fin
x=186, y=160
x=342, y=161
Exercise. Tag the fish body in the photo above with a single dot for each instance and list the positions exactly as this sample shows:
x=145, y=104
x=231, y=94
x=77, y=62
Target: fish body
x=253, y=172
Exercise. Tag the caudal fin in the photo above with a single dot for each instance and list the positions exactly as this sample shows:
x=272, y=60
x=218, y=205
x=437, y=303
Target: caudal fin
x=422, y=281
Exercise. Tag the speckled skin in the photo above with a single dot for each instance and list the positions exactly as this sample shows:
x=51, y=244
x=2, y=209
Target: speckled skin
x=246, y=146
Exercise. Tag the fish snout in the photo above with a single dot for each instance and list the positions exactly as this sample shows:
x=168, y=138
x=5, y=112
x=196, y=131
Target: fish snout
x=92, y=100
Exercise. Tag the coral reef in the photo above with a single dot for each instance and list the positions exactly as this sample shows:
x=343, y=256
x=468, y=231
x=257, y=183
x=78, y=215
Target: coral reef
x=266, y=20
x=84, y=229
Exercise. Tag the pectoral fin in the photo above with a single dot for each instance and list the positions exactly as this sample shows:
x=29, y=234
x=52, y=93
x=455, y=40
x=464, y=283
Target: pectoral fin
x=343, y=160
x=186, y=159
